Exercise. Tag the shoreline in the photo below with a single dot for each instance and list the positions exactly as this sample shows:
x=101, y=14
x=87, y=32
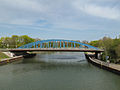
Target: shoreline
x=115, y=68
x=10, y=60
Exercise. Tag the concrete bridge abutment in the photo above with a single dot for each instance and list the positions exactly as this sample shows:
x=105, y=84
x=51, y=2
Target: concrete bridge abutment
x=25, y=54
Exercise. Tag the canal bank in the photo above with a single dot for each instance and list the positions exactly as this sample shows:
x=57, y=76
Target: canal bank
x=7, y=57
x=10, y=60
x=115, y=68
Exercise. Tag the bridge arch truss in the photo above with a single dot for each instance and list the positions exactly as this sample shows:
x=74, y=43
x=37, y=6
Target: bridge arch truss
x=57, y=44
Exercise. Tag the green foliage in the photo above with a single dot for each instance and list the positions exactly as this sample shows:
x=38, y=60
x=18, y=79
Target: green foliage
x=24, y=40
x=117, y=51
x=15, y=41
x=3, y=56
x=94, y=43
x=110, y=46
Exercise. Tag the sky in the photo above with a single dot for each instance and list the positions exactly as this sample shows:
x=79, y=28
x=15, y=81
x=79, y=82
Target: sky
x=60, y=19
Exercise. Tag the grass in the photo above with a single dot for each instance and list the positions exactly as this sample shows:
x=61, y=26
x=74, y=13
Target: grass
x=3, y=56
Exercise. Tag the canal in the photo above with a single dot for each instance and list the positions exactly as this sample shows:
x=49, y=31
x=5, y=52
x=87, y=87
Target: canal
x=56, y=71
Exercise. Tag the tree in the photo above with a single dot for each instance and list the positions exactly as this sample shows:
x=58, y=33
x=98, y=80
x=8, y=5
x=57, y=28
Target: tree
x=85, y=42
x=117, y=50
x=24, y=39
x=110, y=46
x=15, y=41
x=94, y=43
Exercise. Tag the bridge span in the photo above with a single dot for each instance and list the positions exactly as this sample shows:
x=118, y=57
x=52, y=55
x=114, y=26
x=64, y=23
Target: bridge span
x=55, y=45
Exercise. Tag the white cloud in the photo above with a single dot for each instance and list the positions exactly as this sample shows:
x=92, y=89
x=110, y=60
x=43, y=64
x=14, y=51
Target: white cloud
x=100, y=11
x=57, y=13
x=28, y=5
x=25, y=12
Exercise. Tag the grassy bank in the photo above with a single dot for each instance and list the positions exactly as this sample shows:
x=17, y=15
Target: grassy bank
x=3, y=56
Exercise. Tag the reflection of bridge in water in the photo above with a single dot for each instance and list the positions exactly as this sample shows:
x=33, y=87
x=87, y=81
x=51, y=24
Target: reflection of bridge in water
x=57, y=45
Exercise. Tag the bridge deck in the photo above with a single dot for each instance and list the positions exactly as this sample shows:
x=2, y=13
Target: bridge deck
x=53, y=49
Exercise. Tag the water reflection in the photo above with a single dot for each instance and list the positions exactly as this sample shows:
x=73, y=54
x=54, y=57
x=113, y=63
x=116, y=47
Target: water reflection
x=56, y=71
x=54, y=61
x=58, y=58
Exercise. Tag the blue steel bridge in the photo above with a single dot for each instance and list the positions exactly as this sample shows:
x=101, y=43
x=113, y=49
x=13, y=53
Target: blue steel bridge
x=56, y=45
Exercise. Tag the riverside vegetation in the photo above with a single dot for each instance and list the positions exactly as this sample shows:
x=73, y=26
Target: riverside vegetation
x=109, y=45
x=3, y=56
x=111, y=48
x=15, y=41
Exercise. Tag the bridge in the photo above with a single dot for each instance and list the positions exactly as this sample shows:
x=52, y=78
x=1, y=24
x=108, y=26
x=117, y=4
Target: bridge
x=56, y=45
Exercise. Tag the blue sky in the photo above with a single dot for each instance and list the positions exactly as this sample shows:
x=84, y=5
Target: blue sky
x=60, y=19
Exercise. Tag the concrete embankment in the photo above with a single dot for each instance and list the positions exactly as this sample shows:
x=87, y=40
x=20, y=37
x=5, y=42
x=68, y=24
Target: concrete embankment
x=10, y=60
x=12, y=57
x=115, y=68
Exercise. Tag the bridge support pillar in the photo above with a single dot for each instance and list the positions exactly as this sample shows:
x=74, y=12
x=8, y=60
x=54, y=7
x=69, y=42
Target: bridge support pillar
x=96, y=55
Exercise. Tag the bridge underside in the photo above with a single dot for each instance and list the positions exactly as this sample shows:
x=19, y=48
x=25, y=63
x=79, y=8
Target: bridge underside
x=25, y=53
x=55, y=50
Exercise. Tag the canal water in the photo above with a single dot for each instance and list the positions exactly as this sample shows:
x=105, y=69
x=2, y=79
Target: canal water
x=56, y=71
